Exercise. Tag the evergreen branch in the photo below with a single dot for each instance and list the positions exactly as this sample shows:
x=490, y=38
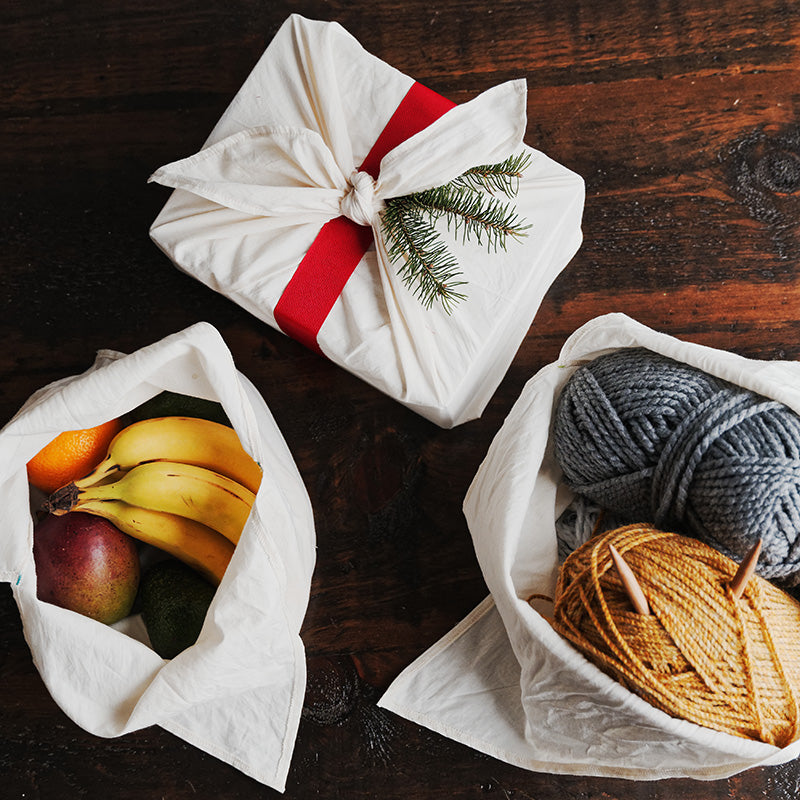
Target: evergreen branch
x=426, y=265
x=424, y=261
x=472, y=213
x=503, y=177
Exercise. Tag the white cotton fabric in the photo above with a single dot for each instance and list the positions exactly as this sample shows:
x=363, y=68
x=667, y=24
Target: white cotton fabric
x=503, y=681
x=283, y=160
x=238, y=692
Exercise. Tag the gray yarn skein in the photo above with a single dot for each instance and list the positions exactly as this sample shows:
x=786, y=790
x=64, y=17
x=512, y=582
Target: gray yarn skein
x=654, y=440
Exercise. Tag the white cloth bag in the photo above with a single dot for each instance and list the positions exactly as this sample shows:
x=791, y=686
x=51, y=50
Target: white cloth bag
x=280, y=163
x=503, y=681
x=238, y=692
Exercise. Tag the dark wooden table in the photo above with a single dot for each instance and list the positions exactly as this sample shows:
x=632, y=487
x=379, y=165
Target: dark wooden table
x=683, y=120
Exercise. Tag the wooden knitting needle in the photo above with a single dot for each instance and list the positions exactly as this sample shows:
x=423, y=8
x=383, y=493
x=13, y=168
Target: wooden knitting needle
x=632, y=587
x=746, y=570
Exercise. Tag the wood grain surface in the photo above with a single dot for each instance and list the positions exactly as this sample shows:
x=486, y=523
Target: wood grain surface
x=683, y=120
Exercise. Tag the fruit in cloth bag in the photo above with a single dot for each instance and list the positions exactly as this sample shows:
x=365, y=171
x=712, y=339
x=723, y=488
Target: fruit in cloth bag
x=242, y=681
x=70, y=456
x=85, y=564
x=182, y=484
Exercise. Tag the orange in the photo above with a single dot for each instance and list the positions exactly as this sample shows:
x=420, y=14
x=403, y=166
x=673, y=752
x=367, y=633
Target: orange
x=70, y=456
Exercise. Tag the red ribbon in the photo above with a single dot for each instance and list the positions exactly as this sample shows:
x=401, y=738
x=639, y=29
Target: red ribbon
x=341, y=243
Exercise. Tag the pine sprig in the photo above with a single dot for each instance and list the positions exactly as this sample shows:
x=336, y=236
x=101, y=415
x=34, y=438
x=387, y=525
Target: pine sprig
x=503, y=177
x=427, y=267
x=471, y=213
x=469, y=208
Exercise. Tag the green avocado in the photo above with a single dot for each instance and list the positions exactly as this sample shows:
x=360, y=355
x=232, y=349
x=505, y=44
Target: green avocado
x=174, y=602
x=174, y=404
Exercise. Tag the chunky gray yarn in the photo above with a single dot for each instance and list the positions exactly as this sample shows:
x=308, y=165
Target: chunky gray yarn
x=654, y=440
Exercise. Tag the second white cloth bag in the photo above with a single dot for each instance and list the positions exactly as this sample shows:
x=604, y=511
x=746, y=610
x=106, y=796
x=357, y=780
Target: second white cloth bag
x=503, y=681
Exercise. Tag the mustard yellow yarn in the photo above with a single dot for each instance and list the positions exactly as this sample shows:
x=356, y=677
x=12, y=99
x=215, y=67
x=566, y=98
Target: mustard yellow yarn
x=701, y=655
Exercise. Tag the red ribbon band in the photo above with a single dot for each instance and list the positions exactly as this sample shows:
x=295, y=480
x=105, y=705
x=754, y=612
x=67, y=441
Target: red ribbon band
x=341, y=243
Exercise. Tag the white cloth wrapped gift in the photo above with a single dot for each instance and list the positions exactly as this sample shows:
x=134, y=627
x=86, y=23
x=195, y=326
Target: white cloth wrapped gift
x=238, y=692
x=503, y=681
x=284, y=159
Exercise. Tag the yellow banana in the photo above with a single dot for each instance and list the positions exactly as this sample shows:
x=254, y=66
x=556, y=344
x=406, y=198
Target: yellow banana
x=192, y=542
x=185, y=440
x=184, y=489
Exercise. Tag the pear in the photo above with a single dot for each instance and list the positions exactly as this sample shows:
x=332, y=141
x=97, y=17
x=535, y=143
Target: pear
x=87, y=565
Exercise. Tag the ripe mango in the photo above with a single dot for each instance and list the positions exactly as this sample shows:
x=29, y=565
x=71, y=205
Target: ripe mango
x=86, y=564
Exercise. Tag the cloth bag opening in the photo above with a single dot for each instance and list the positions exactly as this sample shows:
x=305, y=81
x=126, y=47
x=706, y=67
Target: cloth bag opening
x=237, y=693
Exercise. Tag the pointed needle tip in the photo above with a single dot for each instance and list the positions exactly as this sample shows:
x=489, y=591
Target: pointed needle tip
x=745, y=571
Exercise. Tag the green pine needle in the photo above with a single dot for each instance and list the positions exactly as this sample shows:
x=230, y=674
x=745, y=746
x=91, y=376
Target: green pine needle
x=427, y=267
x=503, y=177
x=471, y=213
x=425, y=264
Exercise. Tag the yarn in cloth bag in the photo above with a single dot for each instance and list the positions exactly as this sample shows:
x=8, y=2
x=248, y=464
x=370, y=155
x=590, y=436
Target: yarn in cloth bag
x=701, y=654
x=660, y=441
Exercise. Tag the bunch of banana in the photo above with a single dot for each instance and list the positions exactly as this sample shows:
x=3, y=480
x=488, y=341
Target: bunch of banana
x=182, y=484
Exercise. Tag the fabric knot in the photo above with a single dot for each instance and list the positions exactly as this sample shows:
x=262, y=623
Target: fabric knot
x=359, y=202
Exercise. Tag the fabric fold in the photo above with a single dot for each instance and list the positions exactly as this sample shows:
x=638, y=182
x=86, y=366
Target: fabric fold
x=485, y=130
x=265, y=172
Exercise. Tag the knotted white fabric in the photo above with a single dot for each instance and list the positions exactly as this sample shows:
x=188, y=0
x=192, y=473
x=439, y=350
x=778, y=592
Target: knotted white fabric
x=503, y=681
x=290, y=174
x=279, y=164
x=238, y=692
x=360, y=203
